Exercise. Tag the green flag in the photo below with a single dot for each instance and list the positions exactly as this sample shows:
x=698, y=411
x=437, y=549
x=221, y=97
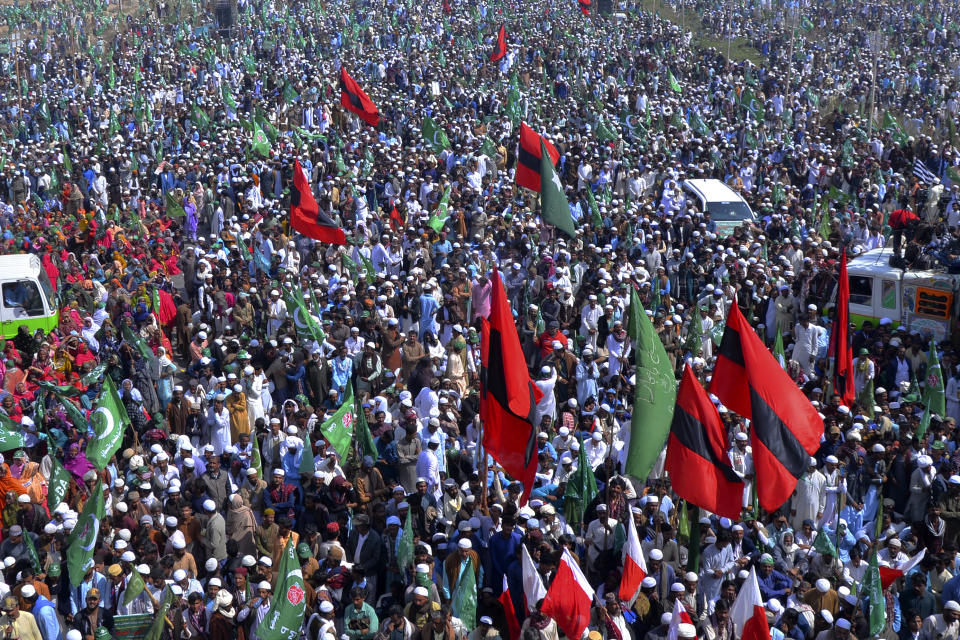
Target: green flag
x=338, y=430
x=307, y=466
x=823, y=545
x=109, y=421
x=933, y=394
x=654, y=394
x=405, y=545
x=866, y=399
x=58, y=485
x=200, y=118
x=255, y=461
x=67, y=164
x=167, y=599
x=872, y=588
x=441, y=213
x=83, y=539
x=694, y=342
x=778, y=352
x=306, y=324
x=368, y=446
x=434, y=135
x=596, y=219
x=554, y=207
x=289, y=93
x=174, y=208
x=674, y=85
x=11, y=434
x=228, y=97
x=463, y=600
x=289, y=603
x=32, y=551
x=135, y=586
x=260, y=144
x=581, y=489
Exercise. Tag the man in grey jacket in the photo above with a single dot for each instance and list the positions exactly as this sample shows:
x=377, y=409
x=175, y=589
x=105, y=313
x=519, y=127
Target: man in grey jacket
x=215, y=533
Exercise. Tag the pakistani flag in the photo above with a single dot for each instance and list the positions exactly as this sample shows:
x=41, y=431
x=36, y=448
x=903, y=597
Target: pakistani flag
x=58, y=485
x=434, y=135
x=109, y=421
x=289, y=603
x=554, y=207
x=260, y=144
x=338, y=430
x=11, y=436
x=441, y=213
x=83, y=539
x=655, y=393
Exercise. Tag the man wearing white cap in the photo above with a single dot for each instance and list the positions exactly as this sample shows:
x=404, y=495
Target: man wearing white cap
x=920, y=482
x=457, y=564
x=741, y=459
x=258, y=607
x=809, y=497
x=942, y=626
x=214, y=534
x=141, y=602
x=44, y=612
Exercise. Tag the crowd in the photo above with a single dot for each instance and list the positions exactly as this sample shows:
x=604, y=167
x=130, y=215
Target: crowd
x=278, y=393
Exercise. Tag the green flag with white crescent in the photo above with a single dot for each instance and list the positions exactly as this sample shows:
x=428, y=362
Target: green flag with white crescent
x=441, y=213
x=434, y=135
x=109, y=420
x=554, y=208
x=58, y=485
x=83, y=539
x=11, y=436
x=260, y=143
x=338, y=429
x=289, y=603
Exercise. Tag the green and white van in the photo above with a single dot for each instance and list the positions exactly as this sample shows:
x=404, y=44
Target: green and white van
x=26, y=296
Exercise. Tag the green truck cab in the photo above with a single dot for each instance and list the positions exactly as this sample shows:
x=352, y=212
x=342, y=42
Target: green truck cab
x=26, y=296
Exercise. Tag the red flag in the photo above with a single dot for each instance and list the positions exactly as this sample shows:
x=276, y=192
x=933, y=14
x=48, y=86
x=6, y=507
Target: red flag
x=305, y=214
x=634, y=566
x=747, y=612
x=446, y=7
x=528, y=161
x=501, y=49
x=509, y=400
x=696, y=452
x=888, y=574
x=569, y=597
x=840, y=347
x=354, y=99
x=513, y=625
x=679, y=616
x=396, y=220
x=785, y=428
x=168, y=308
x=584, y=7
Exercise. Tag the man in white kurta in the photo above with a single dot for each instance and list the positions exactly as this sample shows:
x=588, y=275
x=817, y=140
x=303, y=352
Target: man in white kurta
x=741, y=460
x=805, y=335
x=716, y=565
x=809, y=497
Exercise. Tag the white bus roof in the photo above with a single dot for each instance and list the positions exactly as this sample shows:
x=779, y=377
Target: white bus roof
x=877, y=263
x=714, y=190
x=17, y=264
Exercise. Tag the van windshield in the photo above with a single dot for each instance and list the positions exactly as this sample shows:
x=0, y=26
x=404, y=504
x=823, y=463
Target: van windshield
x=48, y=292
x=722, y=211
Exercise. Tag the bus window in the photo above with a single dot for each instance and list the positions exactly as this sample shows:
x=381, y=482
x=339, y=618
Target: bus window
x=23, y=298
x=861, y=290
x=888, y=294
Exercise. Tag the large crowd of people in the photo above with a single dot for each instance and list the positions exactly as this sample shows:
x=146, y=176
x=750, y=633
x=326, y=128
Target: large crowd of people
x=147, y=162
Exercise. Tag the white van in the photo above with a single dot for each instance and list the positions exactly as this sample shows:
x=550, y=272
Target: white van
x=26, y=296
x=926, y=301
x=727, y=208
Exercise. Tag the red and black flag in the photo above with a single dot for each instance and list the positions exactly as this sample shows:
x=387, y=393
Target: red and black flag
x=305, y=214
x=785, y=428
x=446, y=7
x=584, y=7
x=528, y=162
x=508, y=401
x=501, y=49
x=354, y=99
x=397, y=223
x=840, y=347
x=696, y=453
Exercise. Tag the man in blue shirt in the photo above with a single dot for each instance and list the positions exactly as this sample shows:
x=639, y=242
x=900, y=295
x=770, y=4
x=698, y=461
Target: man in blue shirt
x=44, y=611
x=503, y=546
x=773, y=584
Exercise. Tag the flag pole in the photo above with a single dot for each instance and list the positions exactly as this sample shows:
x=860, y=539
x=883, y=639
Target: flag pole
x=485, y=471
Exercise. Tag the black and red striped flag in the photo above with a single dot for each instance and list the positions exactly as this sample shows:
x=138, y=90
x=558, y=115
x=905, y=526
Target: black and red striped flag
x=528, y=161
x=396, y=220
x=696, y=452
x=501, y=49
x=305, y=214
x=508, y=400
x=785, y=428
x=584, y=7
x=840, y=347
x=354, y=99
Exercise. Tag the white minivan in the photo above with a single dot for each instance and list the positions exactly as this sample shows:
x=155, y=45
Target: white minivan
x=727, y=208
